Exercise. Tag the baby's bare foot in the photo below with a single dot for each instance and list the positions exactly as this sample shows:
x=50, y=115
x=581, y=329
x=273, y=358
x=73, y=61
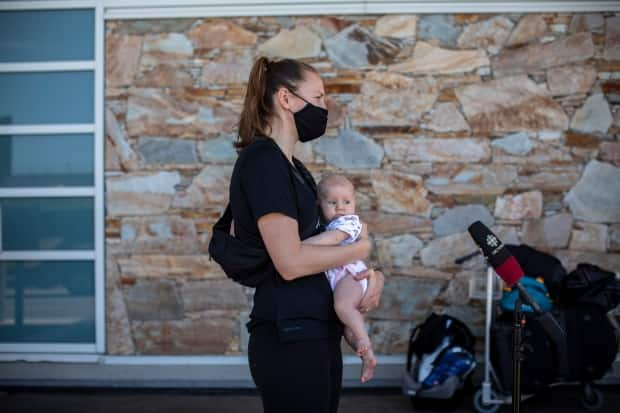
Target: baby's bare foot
x=369, y=362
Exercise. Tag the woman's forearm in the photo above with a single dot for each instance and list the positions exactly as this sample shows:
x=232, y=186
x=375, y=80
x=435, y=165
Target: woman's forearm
x=332, y=237
x=311, y=259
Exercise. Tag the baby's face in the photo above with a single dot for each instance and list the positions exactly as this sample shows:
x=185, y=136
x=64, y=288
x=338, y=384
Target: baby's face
x=338, y=200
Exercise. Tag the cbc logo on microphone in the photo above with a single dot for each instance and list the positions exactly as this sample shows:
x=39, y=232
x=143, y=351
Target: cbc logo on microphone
x=492, y=241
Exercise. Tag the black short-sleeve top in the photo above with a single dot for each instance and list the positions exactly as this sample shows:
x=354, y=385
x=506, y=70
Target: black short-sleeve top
x=263, y=182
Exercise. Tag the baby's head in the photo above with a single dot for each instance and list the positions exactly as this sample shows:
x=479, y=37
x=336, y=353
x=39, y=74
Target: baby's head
x=336, y=197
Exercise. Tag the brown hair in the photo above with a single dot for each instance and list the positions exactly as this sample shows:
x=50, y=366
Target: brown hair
x=266, y=77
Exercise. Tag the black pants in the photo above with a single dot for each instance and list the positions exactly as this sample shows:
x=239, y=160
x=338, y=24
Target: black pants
x=300, y=377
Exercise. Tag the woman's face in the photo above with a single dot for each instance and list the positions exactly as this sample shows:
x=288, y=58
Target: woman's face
x=338, y=200
x=311, y=89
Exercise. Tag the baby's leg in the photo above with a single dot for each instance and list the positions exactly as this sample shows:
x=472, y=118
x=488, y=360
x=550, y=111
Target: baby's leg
x=347, y=296
x=349, y=337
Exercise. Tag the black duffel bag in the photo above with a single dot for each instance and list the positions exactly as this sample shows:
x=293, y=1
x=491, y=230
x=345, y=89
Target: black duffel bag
x=539, y=363
x=590, y=285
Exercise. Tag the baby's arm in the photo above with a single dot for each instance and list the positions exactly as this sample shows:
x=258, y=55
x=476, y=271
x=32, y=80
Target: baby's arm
x=331, y=237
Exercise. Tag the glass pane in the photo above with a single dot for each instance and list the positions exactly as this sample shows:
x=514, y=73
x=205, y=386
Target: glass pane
x=46, y=160
x=30, y=36
x=46, y=97
x=47, y=224
x=47, y=301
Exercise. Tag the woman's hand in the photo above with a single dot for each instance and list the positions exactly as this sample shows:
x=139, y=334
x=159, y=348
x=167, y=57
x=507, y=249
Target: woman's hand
x=364, y=241
x=364, y=232
x=365, y=246
x=376, y=280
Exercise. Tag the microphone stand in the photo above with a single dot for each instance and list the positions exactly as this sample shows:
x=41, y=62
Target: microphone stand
x=553, y=330
x=519, y=321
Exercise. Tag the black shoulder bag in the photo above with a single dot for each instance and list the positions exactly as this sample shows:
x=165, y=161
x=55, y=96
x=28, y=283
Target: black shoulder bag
x=243, y=263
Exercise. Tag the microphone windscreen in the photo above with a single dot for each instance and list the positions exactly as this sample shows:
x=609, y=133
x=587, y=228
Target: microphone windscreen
x=484, y=238
x=510, y=271
x=497, y=255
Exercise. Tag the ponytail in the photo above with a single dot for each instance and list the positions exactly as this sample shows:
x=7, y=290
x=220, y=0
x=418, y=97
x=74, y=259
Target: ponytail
x=266, y=77
x=253, y=119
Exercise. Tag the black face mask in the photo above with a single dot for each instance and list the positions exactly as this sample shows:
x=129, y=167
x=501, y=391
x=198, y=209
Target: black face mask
x=310, y=121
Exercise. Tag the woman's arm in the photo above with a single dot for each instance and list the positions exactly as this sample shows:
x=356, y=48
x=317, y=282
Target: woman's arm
x=293, y=259
x=331, y=237
x=372, y=297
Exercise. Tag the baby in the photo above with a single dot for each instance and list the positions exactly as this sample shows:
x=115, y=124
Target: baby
x=337, y=201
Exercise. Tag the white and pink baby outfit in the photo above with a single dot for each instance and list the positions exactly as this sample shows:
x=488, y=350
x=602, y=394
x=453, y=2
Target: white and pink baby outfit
x=351, y=225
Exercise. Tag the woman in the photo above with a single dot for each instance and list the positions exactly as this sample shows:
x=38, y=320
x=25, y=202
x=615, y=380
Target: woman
x=294, y=348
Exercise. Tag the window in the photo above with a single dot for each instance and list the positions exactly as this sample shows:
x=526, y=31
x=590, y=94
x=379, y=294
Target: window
x=49, y=188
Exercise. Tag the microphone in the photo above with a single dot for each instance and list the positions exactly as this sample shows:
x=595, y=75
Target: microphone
x=502, y=261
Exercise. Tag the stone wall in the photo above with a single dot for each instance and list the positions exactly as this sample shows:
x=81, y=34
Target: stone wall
x=439, y=120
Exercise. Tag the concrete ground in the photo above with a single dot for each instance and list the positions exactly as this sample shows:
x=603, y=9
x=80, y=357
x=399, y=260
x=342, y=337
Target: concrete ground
x=13, y=400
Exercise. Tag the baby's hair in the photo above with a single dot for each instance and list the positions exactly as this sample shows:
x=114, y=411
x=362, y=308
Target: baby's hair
x=332, y=180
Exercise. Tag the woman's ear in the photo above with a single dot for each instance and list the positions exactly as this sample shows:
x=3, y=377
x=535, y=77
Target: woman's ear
x=282, y=97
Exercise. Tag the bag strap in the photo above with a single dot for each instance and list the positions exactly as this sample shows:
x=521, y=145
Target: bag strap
x=305, y=175
x=225, y=222
x=299, y=171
